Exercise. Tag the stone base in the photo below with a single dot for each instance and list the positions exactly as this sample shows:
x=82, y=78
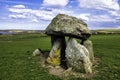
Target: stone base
x=60, y=71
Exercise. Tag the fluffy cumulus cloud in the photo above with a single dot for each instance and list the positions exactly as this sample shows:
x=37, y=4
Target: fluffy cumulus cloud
x=60, y=3
x=100, y=4
x=103, y=13
x=20, y=11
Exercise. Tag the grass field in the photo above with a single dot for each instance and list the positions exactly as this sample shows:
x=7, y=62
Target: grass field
x=17, y=63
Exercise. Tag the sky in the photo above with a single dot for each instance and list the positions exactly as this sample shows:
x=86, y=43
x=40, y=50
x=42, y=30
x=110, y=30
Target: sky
x=37, y=14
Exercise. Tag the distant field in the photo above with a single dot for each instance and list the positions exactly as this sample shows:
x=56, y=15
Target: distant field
x=17, y=63
x=106, y=31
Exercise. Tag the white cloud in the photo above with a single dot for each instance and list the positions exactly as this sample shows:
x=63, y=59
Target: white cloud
x=19, y=10
x=35, y=20
x=19, y=6
x=62, y=11
x=46, y=14
x=102, y=18
x=42, y=14
x=36, y=14
x=115, y=13
x=17, y=16
x=61, y=3
x=29, y=14
x=27, y=18
x=83, y=16
x=99, y=4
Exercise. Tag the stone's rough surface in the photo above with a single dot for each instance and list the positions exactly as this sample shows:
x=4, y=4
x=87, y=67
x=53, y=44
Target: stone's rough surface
x=54, y=55
x=75, y=55
x=88, y=44
x=78, y=56
x=68, y=26
x=36, y=52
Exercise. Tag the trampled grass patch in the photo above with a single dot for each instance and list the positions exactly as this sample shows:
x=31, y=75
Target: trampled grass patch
x=17, y=62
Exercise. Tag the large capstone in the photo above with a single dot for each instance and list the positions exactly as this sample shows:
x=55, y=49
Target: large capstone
x=78, y=56
x=64, y=25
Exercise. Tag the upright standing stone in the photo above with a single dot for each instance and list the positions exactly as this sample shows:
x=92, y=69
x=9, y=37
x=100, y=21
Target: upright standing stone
x=88, y=44
x=57, y=53
x=78, y=56
x=54, y=55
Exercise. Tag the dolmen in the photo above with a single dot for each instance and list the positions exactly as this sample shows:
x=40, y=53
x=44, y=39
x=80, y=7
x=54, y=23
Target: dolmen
x=73, y=53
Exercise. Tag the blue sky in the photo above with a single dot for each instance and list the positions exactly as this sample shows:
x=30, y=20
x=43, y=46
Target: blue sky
x=37, y=14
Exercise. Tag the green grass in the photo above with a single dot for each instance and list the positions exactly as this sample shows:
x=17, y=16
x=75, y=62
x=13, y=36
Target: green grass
x=17, y=63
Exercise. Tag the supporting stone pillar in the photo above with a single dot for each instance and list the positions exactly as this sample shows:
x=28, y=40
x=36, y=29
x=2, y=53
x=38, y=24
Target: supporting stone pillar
x=78, y=56
x=88, y=44
x=57, y=53
x=54, y=55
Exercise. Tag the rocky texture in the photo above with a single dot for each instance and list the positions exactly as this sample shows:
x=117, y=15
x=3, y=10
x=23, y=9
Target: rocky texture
x=54, y=55
x=36, y=52
x=88, y=44
x=64, y=25
x=78, y=56
x=58, y=44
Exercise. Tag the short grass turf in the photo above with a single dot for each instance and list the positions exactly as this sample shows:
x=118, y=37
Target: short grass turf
x=17, y=62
